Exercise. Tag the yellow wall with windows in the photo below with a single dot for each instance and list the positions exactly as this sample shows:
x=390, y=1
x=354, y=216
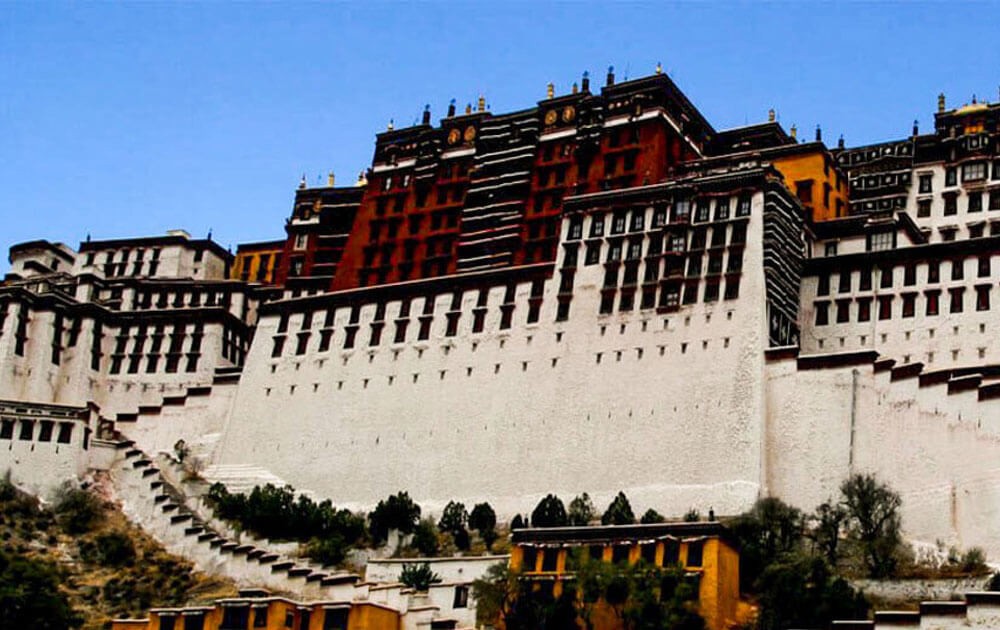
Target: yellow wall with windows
x=363, y=616
x=821, y=169
x=247, y=265
x=719, y=586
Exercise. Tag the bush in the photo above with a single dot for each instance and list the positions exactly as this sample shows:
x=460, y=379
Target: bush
x=873, y=520
x=425, y=538
x=550, y=512
x=396, y=512
x=30, y=595
x=329, y=551
x=419, y=577
x=454, y=518
x=619, y=512
x=652, y=516
x=581, y=510
x=692, y=516
x=482, y=518
x=77, y=510
x=973, y=560
x=113, y=549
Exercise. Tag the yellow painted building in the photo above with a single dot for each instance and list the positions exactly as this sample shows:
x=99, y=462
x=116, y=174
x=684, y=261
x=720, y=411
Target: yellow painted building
x=268, y=613
x=257, y=262
x=704, y=549
x=812, y=174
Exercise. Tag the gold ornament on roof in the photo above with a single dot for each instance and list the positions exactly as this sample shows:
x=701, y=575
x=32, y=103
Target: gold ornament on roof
x=568, y=113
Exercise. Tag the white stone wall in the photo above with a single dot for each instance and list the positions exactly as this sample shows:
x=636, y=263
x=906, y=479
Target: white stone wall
x=938, y=450
x=666, y=407
x=38, y=466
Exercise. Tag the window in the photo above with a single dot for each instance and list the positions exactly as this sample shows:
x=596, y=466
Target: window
x=909, y=304
x=885, y=307
x=995, y=200
x=659, y=217
x=335, y=619
x=803, y=190
x=996, y=169
x=822, y=313
x=695, y=552
x=881, y=241
x=732, y=288
x=638, y=221
x=830, y=249
x=974, y=172
x=6, y=429
x=614, y=252
x=865, y=279
x=933, y=307
x=194, y=621
x=593, y=255
x=618, y=224
x=682, y=209
x=619, y=553
x=671, y=553
x=529, y=559
x=461, y=599
x=743, y=207
x=843, y=311
x=722, y=209
x=950, y=177
x=260, y=617
x=597, y=226
x=923, y=208
x=823, y=285
x=976, y=202
x=845, y=282
x=864, y=309
x=926, y=183
x=933, y=271
x=984, y=267
x=235, y=618
x=575, y=228
x=45, y=431
x=702, y=212
x=550, y=559
x=983, y=298
x=957, y=304
x=958, y=269
x=886, y=282
x=711, y=291
x=909, y=274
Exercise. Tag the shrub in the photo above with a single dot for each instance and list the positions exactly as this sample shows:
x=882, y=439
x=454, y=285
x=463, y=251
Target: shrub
x=396, y=512
x=973, y=560
x=425, y=538
x=77, y=510
x=550, y=512
x=30, y=595
x=652, y=516
x=581, y=510
x=692, y=516
x=873, y=520
x=418, y=576
x=113, y=549
x=331, y=550
x=619, y=512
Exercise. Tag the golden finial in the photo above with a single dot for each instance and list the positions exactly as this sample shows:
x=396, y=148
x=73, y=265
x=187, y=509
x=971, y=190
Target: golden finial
x=329, y=179
x=468, y=108
x=659, y=68
x=770, y=115
x=390, y=126
x=302, y=182
x=576, y=88
x=550, y=90
x=795, y=132
x=362, y=180
x=941, y=102
x=482, y=103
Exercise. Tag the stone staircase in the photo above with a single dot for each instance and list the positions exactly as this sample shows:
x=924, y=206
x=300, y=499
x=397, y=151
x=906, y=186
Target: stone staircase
x=160, y=508
x=242, y=477
x=977, y=610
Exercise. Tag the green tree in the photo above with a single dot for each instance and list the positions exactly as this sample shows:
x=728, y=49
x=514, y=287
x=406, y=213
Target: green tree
x=484, y=520
x=30, y=595
x=425, y=538
x=619, y=512
x=329, y=551
x=581, y=510
x=642, y=596
x=827, y=523
x=652, y=516
x=418, y=576
x=769, y=529
x=692, y=516
x=873, y=520
x=800, y=591
x=494, y=593
x=518, y=522
x=454, y=518
x=550, y=512
x=396, y=512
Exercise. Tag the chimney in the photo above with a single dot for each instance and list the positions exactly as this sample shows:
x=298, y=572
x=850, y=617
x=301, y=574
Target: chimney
x=585, y=84
x=941, y=103
x=550, y=90
x=451, y=108
x=770, y=115
x=819, y=134
x=611, y=75
x=427, y=115
x=329, y=179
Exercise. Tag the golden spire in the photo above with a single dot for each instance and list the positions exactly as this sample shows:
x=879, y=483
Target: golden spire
x=302, y=182
x=795, y=132
x=659, y=68
x=329, y=179
x=482, y=103
x=550, y=90
x=576, y=88
x=390, y=126
x=770, y=115
x=468, y=108
x=941, y=102
x=362, y=179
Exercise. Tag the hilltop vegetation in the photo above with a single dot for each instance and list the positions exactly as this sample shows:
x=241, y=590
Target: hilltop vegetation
x=80, y=563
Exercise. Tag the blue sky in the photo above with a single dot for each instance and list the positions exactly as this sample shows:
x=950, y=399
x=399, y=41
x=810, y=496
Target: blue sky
x=131, y=119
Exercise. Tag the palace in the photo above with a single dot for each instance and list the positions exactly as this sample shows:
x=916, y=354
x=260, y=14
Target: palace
x=598, y=293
